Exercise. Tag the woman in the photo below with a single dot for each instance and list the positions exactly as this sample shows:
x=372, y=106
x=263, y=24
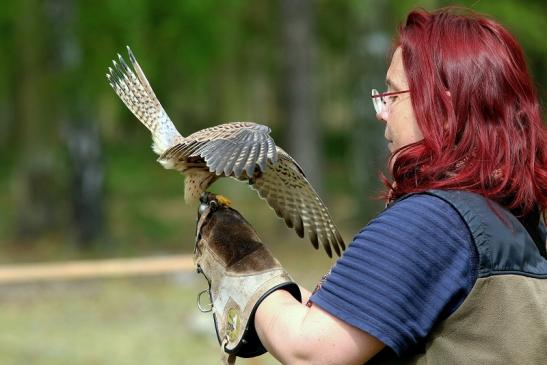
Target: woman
x=453, y=271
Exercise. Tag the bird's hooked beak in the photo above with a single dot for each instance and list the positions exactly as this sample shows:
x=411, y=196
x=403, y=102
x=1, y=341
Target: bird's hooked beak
x=209, y=203
x=206, y=201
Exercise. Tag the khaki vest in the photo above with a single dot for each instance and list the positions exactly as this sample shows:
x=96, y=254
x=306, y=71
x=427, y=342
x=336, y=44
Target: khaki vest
x=503, y=320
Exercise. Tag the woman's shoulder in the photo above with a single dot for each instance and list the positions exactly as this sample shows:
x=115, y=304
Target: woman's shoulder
x=428, y=199
x=421, y=211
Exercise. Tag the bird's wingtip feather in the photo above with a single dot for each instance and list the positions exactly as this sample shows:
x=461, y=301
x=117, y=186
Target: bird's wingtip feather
x=131, y=55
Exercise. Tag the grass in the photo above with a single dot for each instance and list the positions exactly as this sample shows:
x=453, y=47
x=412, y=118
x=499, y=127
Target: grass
x=144, y=321
x=141, y=320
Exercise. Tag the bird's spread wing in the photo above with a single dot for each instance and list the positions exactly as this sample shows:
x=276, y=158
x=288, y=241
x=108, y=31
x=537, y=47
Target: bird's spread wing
x=228, y=149
x=286, y=189
x=133, y=88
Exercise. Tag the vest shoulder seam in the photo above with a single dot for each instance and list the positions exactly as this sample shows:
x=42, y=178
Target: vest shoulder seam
x=511, y=272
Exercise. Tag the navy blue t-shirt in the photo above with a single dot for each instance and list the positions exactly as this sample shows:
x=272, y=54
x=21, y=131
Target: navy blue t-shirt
x=409, y=268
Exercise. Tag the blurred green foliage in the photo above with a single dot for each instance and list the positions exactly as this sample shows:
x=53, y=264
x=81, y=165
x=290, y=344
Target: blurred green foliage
x=209, y=62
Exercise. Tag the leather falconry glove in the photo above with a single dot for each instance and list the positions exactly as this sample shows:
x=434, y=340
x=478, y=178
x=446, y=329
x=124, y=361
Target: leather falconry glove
x=240, y=271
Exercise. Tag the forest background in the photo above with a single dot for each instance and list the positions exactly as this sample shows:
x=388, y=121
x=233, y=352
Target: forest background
x=78, y=179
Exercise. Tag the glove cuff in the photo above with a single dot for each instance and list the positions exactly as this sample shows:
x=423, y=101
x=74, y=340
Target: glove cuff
x=234, y=307
x=250, y=346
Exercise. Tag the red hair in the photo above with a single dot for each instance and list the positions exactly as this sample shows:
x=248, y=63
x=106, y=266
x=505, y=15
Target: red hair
x=476, y=105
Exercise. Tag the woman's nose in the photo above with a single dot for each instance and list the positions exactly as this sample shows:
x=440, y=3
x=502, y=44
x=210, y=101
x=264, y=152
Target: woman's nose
x=382, y=116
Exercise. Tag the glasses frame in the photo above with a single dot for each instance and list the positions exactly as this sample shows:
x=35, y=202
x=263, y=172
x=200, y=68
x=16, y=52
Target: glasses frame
x=379, y=102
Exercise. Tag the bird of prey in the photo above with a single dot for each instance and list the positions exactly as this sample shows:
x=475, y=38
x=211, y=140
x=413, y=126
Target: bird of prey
x=244, y=151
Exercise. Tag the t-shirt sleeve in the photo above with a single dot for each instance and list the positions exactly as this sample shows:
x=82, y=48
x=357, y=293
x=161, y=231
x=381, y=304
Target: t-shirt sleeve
x=410, y=267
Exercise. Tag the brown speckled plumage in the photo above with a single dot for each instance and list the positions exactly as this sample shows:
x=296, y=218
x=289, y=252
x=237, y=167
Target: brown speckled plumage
x=244, y=151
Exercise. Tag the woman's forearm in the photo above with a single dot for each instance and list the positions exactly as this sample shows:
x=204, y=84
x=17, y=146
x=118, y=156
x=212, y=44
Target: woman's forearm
x=296, y=334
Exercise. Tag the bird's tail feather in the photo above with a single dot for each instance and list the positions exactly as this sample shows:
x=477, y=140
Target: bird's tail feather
x=133, y=88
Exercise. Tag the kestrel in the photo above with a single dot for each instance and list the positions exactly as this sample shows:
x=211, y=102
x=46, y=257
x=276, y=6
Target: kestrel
x=244, y=151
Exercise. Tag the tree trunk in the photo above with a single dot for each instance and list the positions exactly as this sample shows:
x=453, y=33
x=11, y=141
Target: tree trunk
x=80, y=132
x=86, y=180
x=34, y=179
x=369, y=147
x=302, y=127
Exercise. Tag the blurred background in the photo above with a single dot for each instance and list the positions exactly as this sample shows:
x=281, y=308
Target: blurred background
x=78, y=179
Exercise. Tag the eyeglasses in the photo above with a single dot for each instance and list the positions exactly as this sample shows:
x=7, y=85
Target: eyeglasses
x=381, y=103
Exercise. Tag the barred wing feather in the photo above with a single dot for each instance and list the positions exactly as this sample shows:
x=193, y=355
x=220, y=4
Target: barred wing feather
x=228, y=149
x=286, y=189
